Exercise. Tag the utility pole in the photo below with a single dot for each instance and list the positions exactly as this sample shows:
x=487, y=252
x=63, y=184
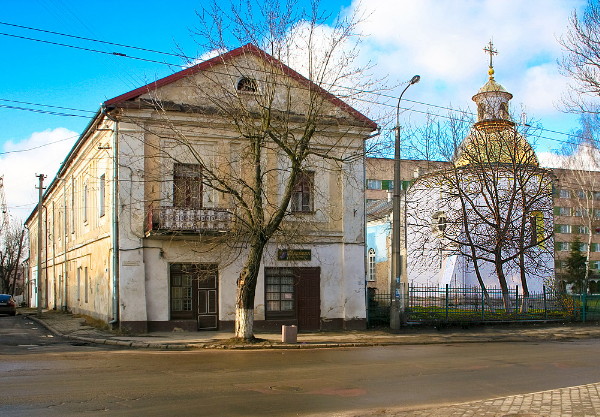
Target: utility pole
x=39, y=243
x=399, y=278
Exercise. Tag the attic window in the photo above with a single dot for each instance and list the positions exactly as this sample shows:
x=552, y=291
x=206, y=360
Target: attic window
x=247, y=85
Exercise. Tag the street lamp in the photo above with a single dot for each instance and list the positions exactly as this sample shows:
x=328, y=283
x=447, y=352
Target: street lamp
x=399, y=277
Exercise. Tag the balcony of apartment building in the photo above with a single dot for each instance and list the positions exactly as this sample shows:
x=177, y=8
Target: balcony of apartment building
x=174, y=220
x=192, y=210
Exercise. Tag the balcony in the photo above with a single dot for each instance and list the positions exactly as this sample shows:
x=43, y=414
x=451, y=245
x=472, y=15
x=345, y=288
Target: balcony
x=170, y=220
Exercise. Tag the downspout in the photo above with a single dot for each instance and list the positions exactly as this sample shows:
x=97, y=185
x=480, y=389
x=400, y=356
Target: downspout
x=45, y=293
x=365, y=225
x=63, y=303
x=115, y=220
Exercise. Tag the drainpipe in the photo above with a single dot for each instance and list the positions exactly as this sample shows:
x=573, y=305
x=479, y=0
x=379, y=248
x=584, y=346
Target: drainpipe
x=63, y=306
x=115, y=220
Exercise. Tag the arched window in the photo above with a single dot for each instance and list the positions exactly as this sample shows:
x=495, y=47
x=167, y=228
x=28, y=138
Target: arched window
x=247, y=85
x=371, y=266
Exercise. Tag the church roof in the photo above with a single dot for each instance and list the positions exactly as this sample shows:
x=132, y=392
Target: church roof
x=492, y=86
x=494, y=138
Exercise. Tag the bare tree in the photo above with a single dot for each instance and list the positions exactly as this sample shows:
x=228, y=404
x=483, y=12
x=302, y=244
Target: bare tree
x=287, y=128
x=579, y=192
x=12, y=254
x=495, y=206
x=581, y=59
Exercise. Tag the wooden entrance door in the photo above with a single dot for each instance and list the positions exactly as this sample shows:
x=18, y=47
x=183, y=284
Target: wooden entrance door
x=308, y=296
x=207, y=296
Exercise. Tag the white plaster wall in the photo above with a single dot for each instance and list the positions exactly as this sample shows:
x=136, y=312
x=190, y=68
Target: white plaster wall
x=132, y=270
x=423, y=254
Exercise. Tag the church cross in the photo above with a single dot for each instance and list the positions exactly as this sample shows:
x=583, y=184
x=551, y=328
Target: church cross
x=490, y=50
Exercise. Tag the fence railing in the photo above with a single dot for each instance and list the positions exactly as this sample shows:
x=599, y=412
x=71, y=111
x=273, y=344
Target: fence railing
x=451, y=304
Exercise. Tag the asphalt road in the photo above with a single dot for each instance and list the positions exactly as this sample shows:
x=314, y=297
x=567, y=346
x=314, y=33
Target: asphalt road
x=57, y=378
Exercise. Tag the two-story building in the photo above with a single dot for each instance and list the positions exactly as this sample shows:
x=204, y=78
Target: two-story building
x=144, y=224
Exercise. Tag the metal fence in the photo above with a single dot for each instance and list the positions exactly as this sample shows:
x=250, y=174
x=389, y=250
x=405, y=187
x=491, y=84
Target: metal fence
x=451, y=304
x=587, y=306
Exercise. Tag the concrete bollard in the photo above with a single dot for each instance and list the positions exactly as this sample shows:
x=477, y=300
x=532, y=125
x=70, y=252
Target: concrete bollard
x=289, y=334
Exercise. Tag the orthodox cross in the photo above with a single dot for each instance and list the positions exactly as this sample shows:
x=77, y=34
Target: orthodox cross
x=490, y=50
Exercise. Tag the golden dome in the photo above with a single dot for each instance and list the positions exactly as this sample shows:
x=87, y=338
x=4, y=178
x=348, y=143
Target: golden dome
x=499, y=144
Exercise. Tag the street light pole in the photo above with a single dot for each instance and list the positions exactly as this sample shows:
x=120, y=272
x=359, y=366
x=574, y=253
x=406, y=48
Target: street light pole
x=398, y=277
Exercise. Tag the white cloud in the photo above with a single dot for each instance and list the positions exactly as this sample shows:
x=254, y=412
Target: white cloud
x=443, y=41
x=41, y=153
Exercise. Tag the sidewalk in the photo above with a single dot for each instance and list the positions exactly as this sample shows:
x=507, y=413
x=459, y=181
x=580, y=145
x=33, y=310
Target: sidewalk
x=75, y=327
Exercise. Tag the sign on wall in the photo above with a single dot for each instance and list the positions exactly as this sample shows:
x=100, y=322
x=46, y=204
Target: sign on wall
x=293, y=254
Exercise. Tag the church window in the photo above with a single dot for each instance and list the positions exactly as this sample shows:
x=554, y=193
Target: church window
x=504, y=110
x=439, y=223
x=537, y=227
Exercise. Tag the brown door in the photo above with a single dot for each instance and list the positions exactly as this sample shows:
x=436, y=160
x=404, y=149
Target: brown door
x=207, y=297
x=308, y=296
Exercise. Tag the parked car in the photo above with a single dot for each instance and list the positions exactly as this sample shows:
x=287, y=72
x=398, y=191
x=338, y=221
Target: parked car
x=8, y=304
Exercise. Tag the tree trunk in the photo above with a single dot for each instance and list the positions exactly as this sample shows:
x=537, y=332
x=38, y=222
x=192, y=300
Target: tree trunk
x=503, y=287
x=246, y=288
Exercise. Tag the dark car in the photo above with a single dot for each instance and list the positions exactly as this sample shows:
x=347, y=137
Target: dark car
x=8, y=304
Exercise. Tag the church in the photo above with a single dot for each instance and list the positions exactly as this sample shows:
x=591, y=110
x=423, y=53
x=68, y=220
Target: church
x=486, y=218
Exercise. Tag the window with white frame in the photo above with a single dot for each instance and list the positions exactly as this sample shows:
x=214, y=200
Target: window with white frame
x=564, y=193
x=562, y=246
x=562, y=211
x=562, y=228
x=582, y=230
x=373, y=184
x=371, y=271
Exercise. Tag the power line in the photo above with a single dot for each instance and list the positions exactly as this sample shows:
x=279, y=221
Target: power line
x=186, y=57
x=39, y=146
x=95, y=40
x=46, y=105
x=88, y=49
x=52, y=113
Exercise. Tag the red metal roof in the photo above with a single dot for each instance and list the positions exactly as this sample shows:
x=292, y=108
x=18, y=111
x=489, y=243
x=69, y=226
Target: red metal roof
x=252, y=49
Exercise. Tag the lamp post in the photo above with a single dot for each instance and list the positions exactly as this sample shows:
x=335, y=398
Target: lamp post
x=398, y=277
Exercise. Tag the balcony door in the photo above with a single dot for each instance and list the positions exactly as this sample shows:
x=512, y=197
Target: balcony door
x=195, y=294
x=187, y=185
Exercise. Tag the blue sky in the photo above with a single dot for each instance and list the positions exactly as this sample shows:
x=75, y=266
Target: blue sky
x=440, y=40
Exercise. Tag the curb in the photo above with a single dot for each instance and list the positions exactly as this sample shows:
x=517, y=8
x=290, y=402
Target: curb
x=424, y=340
